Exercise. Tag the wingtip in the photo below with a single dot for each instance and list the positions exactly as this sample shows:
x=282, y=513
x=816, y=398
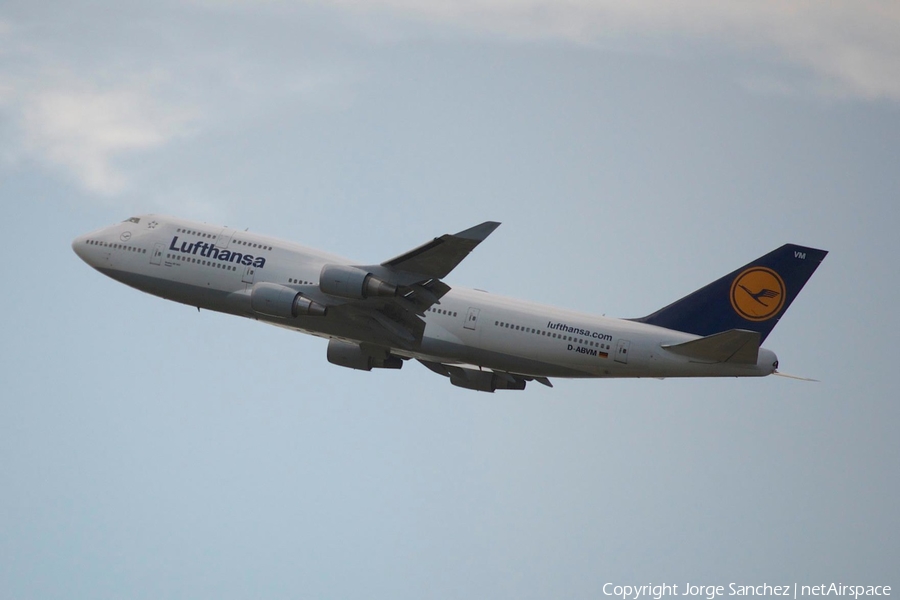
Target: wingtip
x=479, y=232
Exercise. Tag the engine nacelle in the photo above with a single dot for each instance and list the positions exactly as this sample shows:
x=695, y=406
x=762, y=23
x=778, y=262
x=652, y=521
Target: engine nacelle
x=484, y=381
x=352, y=356
x=350, y=282
x=275, y=300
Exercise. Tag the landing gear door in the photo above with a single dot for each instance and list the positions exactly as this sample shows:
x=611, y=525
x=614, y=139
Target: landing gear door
x=622, y=351
x=472, y=318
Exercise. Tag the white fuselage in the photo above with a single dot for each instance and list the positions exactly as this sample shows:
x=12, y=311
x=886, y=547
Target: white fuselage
x=214, y=268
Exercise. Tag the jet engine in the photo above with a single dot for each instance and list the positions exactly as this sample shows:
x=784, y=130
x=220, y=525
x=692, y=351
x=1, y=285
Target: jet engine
x=352, y=356
x=281, y=301
x=350, y=282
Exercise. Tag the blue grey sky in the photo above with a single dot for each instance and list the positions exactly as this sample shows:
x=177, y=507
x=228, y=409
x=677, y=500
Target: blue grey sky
x=632, y=152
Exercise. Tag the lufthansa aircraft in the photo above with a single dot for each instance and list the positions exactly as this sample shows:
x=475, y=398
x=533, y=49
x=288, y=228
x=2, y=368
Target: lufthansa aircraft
x=378, y=316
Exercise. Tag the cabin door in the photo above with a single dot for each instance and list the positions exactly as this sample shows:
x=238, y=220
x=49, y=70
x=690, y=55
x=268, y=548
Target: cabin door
x=622, y=351
x=472, y=318
x=156, y=255
x=224, y=238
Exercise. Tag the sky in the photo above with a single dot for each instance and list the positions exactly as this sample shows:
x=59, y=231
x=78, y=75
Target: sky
x=632, y=151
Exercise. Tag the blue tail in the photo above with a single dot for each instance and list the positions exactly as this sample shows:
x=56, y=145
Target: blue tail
x=753, y=297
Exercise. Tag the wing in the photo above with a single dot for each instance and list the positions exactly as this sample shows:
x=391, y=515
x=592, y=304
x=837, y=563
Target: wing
x=397, y=317
x=438, y=257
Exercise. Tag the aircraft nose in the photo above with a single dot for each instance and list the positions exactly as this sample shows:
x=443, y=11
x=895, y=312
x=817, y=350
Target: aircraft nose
x=79, y=245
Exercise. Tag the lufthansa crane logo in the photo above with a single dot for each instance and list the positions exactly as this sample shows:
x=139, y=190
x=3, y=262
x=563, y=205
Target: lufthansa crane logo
x=757, y=294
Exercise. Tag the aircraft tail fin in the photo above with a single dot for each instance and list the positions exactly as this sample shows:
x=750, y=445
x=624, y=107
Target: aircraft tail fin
x=752, y=298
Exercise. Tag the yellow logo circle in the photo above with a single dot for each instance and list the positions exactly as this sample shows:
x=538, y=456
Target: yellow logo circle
x=757, y=294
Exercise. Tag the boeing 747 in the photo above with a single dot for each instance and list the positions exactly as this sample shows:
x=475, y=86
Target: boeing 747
x=379, y=316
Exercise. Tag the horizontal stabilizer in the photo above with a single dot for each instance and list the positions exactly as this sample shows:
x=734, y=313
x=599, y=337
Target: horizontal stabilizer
x=737, y=346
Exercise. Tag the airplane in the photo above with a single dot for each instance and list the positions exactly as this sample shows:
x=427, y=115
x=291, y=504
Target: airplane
x=379, y=316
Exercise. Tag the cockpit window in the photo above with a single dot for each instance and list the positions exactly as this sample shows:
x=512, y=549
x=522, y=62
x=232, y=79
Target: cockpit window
x=132, y=220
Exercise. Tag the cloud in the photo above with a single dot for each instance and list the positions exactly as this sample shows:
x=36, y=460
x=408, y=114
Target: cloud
x=78, y=116
x=853, y=47
x=92, y=97
x=84, y=129
x=100, y=98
